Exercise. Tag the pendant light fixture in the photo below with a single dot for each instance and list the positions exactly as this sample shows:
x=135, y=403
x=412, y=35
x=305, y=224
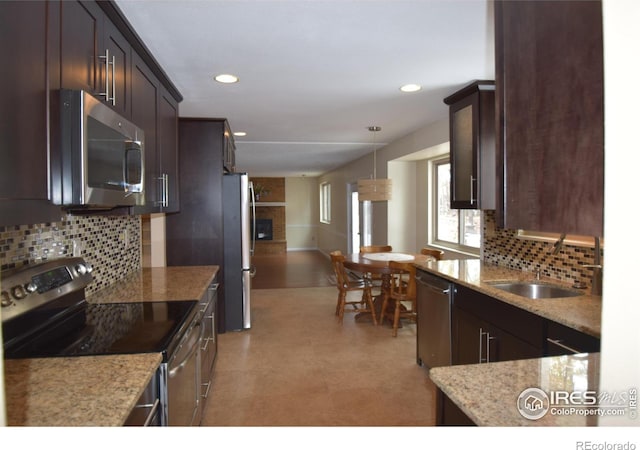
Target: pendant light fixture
x=374, y=189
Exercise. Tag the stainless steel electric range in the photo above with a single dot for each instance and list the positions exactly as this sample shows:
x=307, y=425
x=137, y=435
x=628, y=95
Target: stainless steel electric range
x=45, y=314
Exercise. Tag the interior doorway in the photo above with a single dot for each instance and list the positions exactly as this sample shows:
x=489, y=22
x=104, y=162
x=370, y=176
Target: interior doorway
x=354, y=220
x=359, y=223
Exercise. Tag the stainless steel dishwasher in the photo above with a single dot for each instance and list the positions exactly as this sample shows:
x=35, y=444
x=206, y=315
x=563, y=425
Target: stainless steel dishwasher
x=434, y=320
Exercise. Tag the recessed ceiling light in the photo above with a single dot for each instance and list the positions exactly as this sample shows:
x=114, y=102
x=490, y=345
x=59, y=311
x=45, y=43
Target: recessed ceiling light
x=410, y=88
x=226, y=78
x=239, y=133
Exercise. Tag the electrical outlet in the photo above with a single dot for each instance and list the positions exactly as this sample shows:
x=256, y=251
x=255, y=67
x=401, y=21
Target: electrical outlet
x=77, y=247
x=124, y=237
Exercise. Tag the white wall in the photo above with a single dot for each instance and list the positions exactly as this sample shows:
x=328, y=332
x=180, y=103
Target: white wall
x=620, y=349
x=302, y=212
x=402, y=206
x=334, y=236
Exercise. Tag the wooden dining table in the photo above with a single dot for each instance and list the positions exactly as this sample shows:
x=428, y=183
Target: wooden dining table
x=378, y=263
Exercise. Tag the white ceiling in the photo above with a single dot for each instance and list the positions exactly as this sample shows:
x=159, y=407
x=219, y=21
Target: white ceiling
x=314, y=74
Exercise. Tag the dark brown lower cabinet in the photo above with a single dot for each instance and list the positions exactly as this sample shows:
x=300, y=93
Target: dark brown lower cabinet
x=488, y=330
x=485, y=329
x=448, y=413
x=562, y=340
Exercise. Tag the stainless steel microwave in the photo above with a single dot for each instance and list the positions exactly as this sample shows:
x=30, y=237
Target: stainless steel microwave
x=102, y=155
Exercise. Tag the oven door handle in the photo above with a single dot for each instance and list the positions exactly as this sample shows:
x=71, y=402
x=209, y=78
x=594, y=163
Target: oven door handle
x=186, y=359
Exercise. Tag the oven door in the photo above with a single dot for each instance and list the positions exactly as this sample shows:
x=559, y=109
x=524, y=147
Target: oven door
x=183, y=380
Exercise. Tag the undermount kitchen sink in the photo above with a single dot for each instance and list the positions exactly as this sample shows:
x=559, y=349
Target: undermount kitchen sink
x=536, y=290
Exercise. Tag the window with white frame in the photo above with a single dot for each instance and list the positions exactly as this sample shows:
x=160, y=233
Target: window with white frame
x=456, y=229
x=325, y=202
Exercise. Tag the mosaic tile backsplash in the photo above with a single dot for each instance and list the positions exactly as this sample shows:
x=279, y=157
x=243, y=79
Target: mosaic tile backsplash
x=110, y=244
x=503, y=248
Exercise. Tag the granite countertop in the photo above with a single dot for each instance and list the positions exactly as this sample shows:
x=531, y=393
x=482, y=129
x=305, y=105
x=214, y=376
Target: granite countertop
x=76, y=391
x=98, y=390
x=158, y=284
x=489, y=393
x=582, y=313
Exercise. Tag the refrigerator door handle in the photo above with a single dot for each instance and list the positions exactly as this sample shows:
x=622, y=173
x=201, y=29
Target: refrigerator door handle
x=253, y=218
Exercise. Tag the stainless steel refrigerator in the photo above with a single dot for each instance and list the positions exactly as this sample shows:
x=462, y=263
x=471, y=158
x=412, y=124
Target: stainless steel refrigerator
x=238, y=212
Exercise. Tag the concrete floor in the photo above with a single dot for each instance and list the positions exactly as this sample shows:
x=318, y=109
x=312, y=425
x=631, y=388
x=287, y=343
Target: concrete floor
x=297, y=366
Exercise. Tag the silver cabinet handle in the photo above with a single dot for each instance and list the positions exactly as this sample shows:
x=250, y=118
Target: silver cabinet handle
x=106, y=75
x=109, y=98
x=471, y=180
x=480, y=358
x=206, y=393
x=559, y=343
x=165, y=190
x=489, y=339
x=113, y=80
x=164, y=195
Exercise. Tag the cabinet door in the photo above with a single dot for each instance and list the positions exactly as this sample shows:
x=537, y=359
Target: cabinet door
x=472, y=146
x=549, y=89
x=503, y=346
x=144, y=108
x=23, y=101
x=168, y=150
x=115, y=77
x=80, y=31
x=468, y=348
x=477, y=341
x=463, y=155
x=487, y=329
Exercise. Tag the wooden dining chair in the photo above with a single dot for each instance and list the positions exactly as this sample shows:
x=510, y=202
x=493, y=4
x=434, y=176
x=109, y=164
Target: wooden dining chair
x=402, y=295
x=437, y=254
x=375, y=278
x=375, y=249
x=345, y=285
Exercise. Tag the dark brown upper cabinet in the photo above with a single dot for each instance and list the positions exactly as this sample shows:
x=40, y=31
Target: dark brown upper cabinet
x=168, y=149
x=62, y=44
x=156, y=111
x=549, y=116
x=472, y=146
x=145, y=91
x=24, y=103
x=115, y=63
x=95, y=56
x=229, y=150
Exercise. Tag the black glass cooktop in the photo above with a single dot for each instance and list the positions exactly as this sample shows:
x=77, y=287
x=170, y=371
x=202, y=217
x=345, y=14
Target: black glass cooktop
x=101, y=329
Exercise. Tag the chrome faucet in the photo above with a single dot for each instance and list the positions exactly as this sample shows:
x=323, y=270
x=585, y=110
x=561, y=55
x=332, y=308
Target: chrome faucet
x=596, y=278
x=556, y=247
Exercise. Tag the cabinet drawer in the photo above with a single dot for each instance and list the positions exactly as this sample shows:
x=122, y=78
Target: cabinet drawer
x=562, y=340
x=518, y=322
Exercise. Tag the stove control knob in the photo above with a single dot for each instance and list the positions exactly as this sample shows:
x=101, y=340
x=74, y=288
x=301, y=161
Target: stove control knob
x=81, y=269
x=31, y=287
x=6, y=301
x=18, y=292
